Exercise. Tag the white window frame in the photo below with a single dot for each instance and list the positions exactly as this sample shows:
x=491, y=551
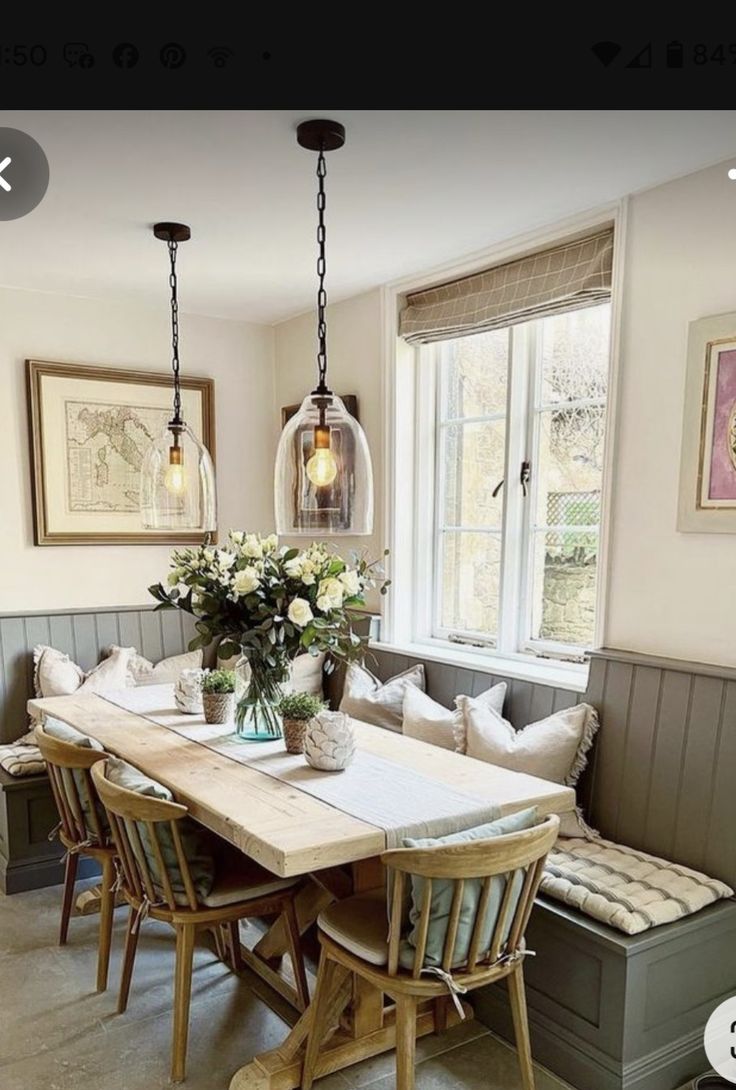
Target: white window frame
x=409, y=511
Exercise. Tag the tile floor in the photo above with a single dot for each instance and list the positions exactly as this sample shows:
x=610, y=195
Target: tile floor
x=56, y=1033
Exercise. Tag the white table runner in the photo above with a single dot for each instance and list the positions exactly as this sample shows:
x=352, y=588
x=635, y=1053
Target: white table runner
x=392, y=797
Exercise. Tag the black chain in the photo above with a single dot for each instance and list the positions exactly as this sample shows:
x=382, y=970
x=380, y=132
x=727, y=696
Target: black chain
x=173, y=248
x=321, y=271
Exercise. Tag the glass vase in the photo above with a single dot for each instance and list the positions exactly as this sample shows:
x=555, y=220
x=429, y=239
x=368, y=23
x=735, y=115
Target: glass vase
x=257, y=692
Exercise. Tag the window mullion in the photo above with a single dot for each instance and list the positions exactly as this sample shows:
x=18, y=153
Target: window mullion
x=512, y=506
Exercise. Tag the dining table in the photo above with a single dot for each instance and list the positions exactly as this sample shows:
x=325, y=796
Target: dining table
x=326, y=828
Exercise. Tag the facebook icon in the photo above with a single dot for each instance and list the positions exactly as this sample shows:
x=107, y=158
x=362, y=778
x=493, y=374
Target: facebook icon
x=125, y=55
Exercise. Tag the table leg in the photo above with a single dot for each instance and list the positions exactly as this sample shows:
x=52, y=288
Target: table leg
x=309, y=903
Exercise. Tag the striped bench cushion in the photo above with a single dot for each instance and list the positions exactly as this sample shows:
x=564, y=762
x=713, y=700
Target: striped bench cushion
x=625, y=888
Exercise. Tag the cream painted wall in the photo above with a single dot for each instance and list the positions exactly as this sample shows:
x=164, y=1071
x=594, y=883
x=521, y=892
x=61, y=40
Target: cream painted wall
x=670, y=593
x=239, y=356
x=354, y=358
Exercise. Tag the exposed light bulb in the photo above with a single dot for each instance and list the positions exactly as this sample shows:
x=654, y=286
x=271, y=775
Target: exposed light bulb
x=174, y=478
x=322, y=467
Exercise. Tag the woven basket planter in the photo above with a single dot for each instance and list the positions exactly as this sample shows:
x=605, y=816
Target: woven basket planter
x=218, y=707
x=294, y=732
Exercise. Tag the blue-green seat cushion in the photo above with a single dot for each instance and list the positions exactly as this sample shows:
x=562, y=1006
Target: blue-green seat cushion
x=55, y=728
x=196, y=841
x=443, y=890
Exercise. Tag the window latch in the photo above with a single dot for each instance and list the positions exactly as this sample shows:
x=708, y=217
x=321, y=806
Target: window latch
x=524, y=477
x=497, y=489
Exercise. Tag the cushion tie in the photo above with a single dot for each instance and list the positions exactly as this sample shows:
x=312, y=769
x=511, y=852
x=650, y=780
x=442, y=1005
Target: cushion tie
x=90, y=842
x=454, y=987
x=143, y=909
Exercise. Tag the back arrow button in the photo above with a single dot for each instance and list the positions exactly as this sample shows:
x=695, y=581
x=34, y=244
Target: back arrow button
x=3, y=181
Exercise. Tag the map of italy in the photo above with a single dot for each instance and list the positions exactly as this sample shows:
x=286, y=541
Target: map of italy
x=105, y=445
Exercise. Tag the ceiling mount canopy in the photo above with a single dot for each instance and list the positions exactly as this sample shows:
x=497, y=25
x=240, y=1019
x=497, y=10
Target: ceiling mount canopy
x=323, y=481
x=177, y=475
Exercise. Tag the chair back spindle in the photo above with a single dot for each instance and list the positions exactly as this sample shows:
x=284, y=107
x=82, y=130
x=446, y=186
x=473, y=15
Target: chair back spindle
x=81, y=813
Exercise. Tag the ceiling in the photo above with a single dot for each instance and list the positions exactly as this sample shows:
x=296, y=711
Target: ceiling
x=410, y=190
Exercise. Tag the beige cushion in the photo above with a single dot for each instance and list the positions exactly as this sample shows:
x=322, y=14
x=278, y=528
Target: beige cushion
x=624, y=888
x=360, y=925
x=431, y=722
x=365, y=697
x=55, y=674
x=166, y=672
x=554, y=748
x=238, y=878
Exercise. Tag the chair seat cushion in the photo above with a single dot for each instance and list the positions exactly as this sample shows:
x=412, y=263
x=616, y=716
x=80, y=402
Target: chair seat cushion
x=238, y=878
x=624, y=888
x=360, y=925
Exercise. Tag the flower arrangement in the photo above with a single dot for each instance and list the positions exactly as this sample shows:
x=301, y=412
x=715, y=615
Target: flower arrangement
x=269, y=603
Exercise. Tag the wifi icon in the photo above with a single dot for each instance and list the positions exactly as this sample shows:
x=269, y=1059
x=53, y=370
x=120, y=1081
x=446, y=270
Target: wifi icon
x=606, y=52
x=220, y=55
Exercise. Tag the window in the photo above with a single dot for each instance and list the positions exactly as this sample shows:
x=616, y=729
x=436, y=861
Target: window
x=516, y=475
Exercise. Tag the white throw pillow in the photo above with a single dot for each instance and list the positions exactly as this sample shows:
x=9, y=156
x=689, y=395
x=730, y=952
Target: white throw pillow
x=382, y=703
x=554, y=748
x=55, y=674
x=431, y=722
x=166, y=672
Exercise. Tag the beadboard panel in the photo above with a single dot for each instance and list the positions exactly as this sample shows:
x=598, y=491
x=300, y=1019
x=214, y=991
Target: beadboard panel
x=82, y=634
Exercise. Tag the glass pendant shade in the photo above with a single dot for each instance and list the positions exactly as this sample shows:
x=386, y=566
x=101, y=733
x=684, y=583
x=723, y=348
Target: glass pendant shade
x=178, y=484
x=323, y=481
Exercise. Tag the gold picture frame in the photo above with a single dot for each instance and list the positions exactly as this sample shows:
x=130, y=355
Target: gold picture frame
x=80, y=496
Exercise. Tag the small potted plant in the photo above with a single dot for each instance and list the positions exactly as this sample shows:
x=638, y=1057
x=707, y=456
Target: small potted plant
x=218, y=696
x=296, y=709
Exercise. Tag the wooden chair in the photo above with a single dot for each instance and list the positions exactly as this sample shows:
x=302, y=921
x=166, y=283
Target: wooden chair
x=353, y=936
x=148, y=887
x=83, y=830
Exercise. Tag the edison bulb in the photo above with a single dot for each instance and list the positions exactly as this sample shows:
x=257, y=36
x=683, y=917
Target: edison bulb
x=174, y=479
x=322, y=467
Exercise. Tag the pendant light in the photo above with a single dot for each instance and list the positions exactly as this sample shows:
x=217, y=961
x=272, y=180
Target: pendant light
x=177, y=475
x=323, y=481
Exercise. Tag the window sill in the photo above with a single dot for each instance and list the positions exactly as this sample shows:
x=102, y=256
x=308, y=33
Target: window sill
x=559, y=675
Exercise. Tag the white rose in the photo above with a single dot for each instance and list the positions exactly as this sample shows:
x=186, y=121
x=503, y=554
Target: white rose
x=246, y=581
x=252, y=546
x=308, y=579
x=300, y=612
x=237, y=536
x=330, y=594
x=225, y=560
x=293, y=567
x=351, y=582
x=270, y=543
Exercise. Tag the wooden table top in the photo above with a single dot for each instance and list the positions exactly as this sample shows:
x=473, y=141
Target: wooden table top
x=286, y=830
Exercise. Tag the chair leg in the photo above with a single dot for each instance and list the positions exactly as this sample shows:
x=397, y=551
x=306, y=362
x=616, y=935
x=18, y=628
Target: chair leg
x=107, y=908
x=517, y=996
x=233, y=933
x=291, y=925
x=406, y=1041
x=440, y=1015
x=182, y=995
x=131, y=945
x=319, y=1011
x=70, y=877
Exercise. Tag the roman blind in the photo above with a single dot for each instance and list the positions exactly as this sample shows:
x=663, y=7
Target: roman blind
x=565, y=277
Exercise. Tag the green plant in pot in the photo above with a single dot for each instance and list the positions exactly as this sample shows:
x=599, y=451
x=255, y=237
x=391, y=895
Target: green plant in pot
x=296, y=710
x=218, y=696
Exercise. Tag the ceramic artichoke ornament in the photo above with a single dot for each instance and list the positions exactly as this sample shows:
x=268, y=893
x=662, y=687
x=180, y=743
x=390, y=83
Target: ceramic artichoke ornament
x=329, y=743
x=188, y=692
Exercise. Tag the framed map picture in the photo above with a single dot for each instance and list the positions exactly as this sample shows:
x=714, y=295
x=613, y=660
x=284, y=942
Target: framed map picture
x=89, y=428
x=708, y=467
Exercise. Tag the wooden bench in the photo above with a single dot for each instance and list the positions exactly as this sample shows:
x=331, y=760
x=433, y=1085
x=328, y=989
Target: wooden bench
x=610, y=1011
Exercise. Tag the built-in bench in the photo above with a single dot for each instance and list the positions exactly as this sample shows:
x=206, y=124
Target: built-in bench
x=610, y=1011
x=607, y=1011
x=28, y=859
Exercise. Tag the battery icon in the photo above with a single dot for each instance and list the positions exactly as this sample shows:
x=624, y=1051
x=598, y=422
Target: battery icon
x=675, y=55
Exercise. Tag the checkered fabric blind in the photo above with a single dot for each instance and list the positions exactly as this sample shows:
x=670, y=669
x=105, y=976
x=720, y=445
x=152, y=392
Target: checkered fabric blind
x=570, y=276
